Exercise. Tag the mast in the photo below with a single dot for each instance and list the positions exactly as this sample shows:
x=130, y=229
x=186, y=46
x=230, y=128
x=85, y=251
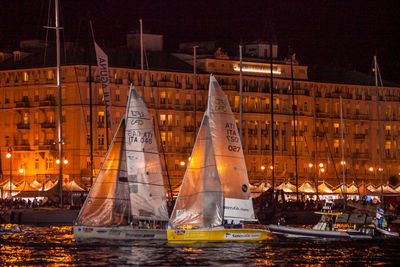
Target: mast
x=343, y=163
x=294, y=126
x=91, y=124
x=379, y=127
x=91, y=111
x=241, y=92
x=141, y=54
x=272, y=124
x=60, y=141
x=315, y=148
x=194, y=87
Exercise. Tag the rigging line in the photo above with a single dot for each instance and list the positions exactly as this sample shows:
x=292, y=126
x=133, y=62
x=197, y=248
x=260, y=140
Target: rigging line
x=334, y=166
x=82, y=106
x=352, y=163
x=158, y=125
x=310, y=158
x=47, y=34
x=391, y=111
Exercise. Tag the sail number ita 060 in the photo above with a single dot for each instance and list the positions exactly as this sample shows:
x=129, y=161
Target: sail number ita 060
x=139, y=137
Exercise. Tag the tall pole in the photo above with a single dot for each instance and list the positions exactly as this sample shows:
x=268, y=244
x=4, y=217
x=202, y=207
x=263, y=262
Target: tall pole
x=91, y=108
x=9, y=156
x=195, y=87
x=343, y=162
x=272, y=122
x=60, y=140
x=141, y=54
x=241, y=92
x=91, y=123
x=379, y=127
x=315, y=148
x=294, y=127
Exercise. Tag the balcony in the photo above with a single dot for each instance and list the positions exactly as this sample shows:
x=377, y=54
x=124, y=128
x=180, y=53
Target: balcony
x=228, y=87
x=359, y=136
x=252, y=131
x=166, y=84
x=265, y=132
x=48, y=124
x=48, y=101
x=189, y=128
x=24, y=147
x=22, y=104
x=51, y=147
x=23, y=126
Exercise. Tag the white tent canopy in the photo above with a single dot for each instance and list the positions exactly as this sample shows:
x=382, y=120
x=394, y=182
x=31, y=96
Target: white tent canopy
x=306, y=188
x=35, y=184
x=6, y=187
x=47, y=186
x=261, y=188
x=324, y=189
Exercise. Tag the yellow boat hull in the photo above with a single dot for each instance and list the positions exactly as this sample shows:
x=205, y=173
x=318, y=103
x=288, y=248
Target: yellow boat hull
x=216, y=235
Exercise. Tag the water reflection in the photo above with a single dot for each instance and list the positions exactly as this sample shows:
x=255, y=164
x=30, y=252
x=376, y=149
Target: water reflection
x=56, y=246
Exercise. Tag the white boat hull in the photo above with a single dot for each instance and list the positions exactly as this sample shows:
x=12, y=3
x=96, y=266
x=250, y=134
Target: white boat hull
x=118, y=233
x=386, y=233
x=296, y=232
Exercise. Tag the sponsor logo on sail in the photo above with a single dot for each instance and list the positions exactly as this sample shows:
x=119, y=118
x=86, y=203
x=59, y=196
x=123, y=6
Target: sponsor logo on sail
x=220, y=105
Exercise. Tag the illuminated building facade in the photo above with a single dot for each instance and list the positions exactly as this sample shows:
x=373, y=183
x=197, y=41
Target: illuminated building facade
x=28, y=119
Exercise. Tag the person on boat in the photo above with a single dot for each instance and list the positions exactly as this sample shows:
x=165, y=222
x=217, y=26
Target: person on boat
x=282, y=221
x=330, y=223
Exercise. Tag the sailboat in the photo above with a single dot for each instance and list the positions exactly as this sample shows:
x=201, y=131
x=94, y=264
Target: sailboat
x=214, y=201
x=127, y=200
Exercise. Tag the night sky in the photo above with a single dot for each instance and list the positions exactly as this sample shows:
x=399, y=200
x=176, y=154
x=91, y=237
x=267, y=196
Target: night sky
x=342, y=34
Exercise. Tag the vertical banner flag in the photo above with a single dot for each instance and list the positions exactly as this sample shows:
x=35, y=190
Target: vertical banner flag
x=102, y=63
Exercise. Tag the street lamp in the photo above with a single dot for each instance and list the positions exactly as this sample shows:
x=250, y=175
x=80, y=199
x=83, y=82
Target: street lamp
x=65, y=161
x=22, y=170
x=8, y=155
x=262, y=168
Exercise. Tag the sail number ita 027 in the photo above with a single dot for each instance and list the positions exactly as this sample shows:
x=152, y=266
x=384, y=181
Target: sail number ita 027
x=232, y=137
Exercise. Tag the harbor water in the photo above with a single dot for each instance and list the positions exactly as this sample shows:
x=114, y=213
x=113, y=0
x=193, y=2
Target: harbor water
x=56, y=246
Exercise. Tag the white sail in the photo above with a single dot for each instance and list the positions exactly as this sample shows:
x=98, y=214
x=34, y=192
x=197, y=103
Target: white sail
x=229, y=156
x=103, y=207
x=216, y=175
x=200, y=200
x=146, y=186
x=129, y=183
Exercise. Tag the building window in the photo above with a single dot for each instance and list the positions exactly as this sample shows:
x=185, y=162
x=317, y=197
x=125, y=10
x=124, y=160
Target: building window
x=49, y=163
x=101, y=117
x=163, y=98
x=163, y=119
x=36, y=164
x=117, y=95
x=336, y=126
x=100, y=139
x=88, y=139
x=26, y=118
x=163, y=137
x=50, y=75
x=26, y=76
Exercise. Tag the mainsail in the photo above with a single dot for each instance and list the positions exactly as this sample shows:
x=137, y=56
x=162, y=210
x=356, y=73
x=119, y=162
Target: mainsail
x=129, y=183
x=215, y=186
x=146, y=185
x=229, y=156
